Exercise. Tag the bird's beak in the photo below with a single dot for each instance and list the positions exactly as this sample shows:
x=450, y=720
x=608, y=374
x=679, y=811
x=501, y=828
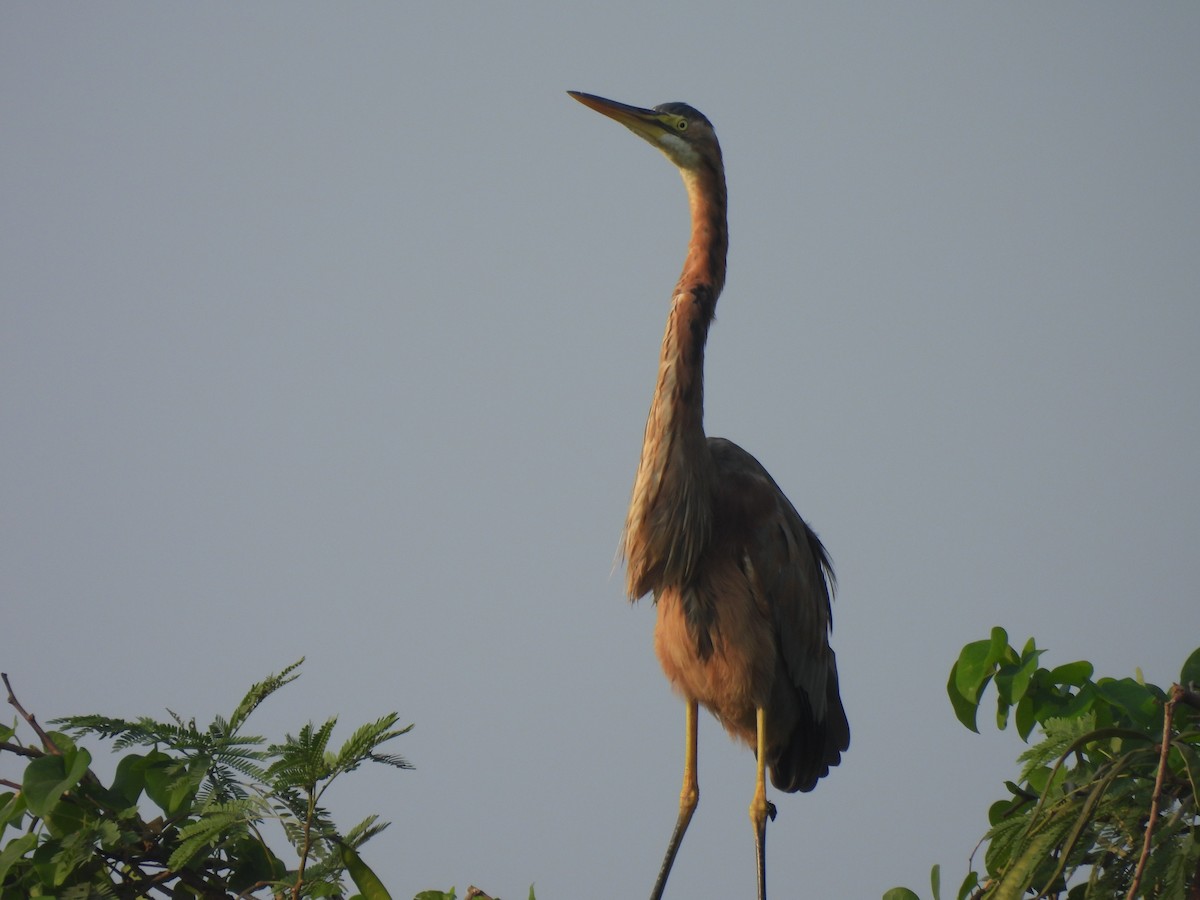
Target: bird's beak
x=645, y=123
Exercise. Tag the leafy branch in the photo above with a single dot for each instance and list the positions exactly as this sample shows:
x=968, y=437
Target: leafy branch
x=1107, y=804
x=214, y=788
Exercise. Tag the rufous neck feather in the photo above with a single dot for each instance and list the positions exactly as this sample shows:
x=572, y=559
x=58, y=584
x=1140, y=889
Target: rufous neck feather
x=670, y=513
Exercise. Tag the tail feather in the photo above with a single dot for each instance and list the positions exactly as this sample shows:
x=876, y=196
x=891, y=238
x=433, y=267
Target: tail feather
x=814, y=746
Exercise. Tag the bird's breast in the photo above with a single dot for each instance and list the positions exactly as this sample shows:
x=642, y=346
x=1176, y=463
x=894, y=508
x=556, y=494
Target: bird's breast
x=722, y=654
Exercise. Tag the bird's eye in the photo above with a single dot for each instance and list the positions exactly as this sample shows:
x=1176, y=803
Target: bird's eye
x=682, y=124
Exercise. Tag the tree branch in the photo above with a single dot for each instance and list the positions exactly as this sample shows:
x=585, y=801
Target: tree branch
x=20, y=750
x=1177, y=693
x=47, y=741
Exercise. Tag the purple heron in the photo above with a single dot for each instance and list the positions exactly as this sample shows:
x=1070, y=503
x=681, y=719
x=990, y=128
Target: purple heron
x=741, y=584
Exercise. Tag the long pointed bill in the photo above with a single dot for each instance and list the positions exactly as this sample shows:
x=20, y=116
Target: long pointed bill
x=646, y=123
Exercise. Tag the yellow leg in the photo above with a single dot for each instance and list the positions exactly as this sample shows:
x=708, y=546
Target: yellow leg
x=760, y=809
x=689, y=796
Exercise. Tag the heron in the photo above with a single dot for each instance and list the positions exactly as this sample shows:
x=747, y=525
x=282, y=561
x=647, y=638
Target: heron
x=741, y=584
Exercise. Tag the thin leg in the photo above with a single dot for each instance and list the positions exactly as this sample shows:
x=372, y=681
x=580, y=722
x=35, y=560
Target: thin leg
x=760, y=809
x=689, y=796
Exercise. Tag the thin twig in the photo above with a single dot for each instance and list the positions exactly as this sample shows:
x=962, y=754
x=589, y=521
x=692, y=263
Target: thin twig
x=47, y=741
x=1168, y=711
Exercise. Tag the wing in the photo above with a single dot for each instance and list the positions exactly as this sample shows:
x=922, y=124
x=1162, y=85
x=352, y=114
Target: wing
x=790, y=574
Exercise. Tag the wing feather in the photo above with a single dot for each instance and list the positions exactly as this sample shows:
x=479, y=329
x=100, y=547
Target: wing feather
x=793, y=582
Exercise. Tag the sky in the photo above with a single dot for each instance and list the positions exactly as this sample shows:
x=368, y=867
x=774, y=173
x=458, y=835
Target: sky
x=329, y=330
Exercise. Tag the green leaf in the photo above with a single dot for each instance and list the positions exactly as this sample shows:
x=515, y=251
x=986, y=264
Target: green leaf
x=1075, y=673
x=436, y=895
x=109, y=834
x=47, y=778
x=15, y=850
x=1082, y=702
x=999, y=643
x=1137, y=701
x=253, y=862
x=998, y=811
x=207, y=831
x=1002, y=709
x=976, y=665
x=1018, y=874
x=260, y=692
x=130, y=778
x=899, y=893
x=48, y=860
x=364, y=879
x=1024, y=674
x=12, y=810
x=63, y=741
x=65, y=818
x=964, y=709
x=169, y=784
x=1025, y=718
x=974, y=668
x=971, y=881
x=361, y=746
x=1190, y=673
x=1049, y=700
x=1040, y=780
x=935, y=881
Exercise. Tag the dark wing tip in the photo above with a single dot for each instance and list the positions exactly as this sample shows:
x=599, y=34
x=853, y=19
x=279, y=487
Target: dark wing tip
x=815, y=746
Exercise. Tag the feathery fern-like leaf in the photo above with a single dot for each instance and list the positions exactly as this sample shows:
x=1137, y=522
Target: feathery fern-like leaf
x=209, y=829
x=364, y=831
x=260, y=692
x=360, y=747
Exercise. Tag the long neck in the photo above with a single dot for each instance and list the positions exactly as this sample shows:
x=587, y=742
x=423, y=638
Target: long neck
x=670, y=514
x=709, y=243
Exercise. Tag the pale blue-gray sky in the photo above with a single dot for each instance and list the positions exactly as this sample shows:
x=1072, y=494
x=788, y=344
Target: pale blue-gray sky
x=330, y=330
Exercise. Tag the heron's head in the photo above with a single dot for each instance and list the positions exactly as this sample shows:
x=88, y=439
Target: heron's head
x=678, y=130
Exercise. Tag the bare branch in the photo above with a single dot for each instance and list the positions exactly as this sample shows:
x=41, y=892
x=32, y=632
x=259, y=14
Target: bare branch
x=47, y=741
x=20, y=750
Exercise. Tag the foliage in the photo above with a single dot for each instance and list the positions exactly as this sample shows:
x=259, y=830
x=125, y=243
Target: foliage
x=473, y=893
x=213, y=789
x=1106, y=802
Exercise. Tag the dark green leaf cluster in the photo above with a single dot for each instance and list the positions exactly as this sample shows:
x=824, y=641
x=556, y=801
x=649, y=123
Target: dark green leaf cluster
x=1107, y=803
x=213, y=790
x=472, y=894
